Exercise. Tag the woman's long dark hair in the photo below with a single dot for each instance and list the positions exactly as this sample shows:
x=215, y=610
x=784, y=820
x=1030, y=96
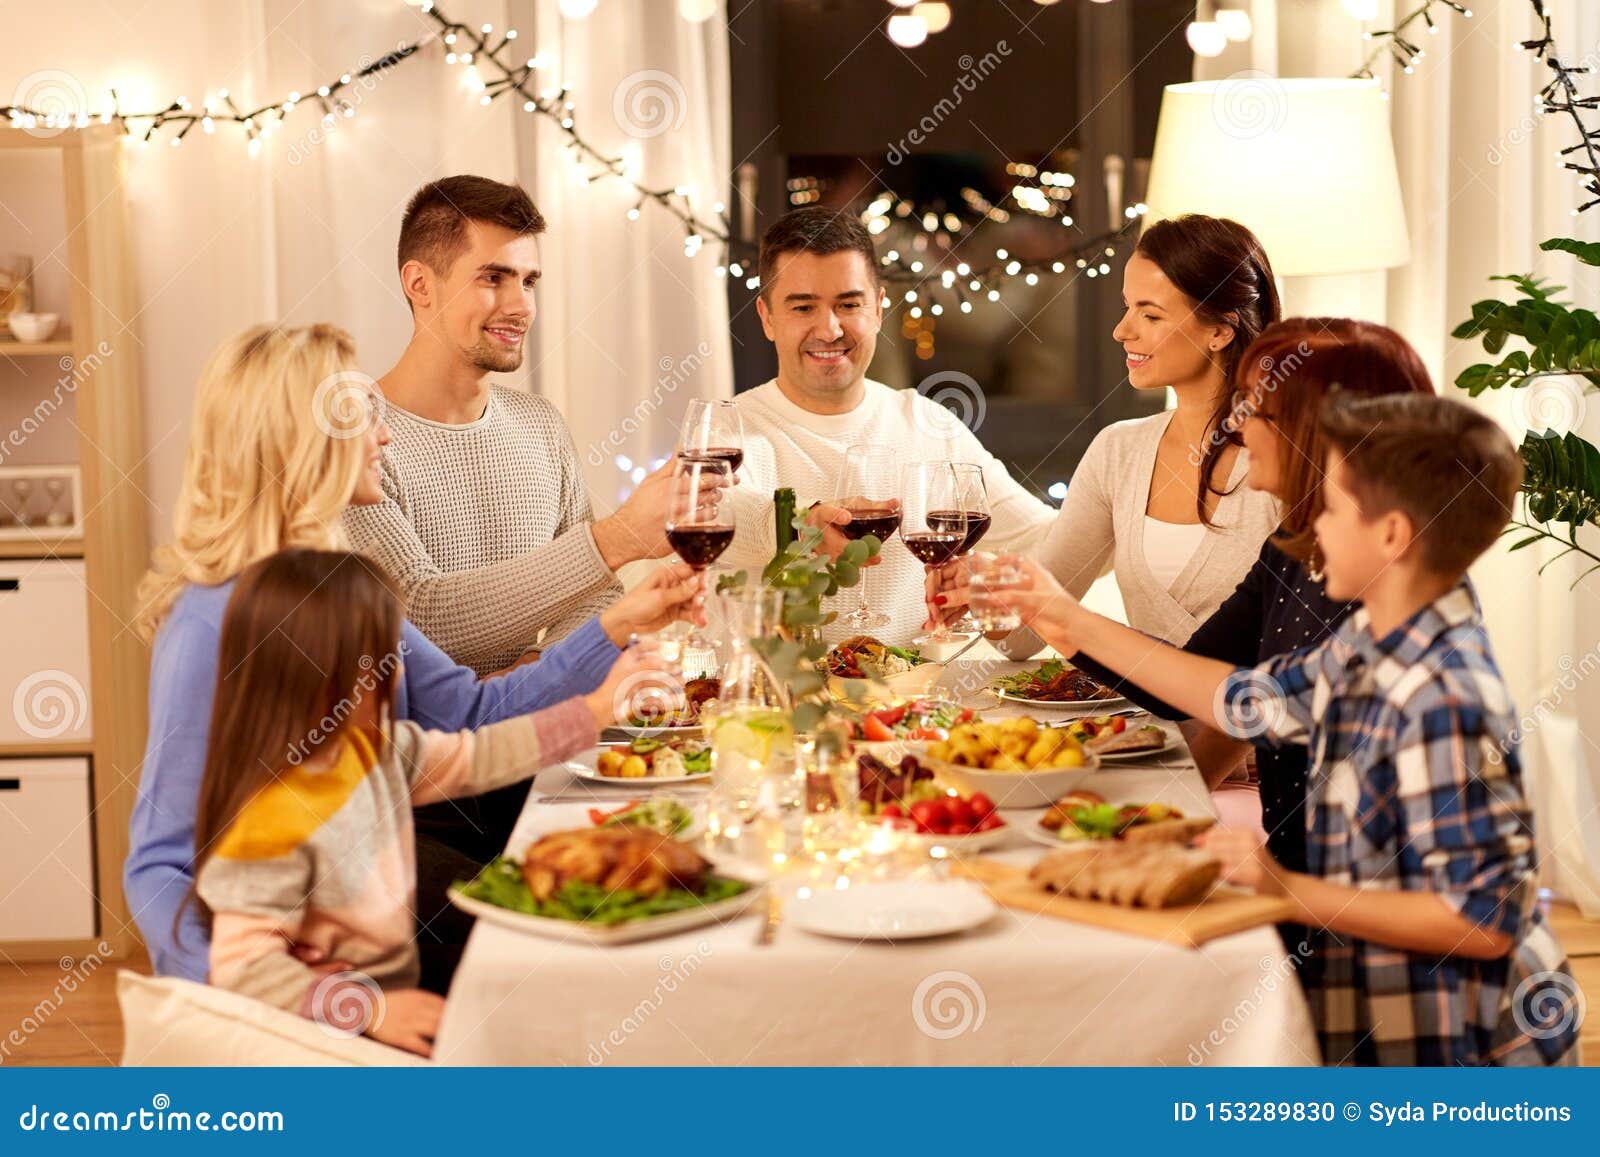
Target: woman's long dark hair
x=1286, y=376
x=308, y=637
x=1222, y=268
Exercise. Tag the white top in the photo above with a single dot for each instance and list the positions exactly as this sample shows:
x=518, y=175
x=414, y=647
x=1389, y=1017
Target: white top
x=1100, y=528
x=1168, y=547
x=785, y=445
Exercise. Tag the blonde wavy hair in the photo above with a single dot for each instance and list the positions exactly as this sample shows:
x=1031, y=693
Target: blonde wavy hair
x=274, y=455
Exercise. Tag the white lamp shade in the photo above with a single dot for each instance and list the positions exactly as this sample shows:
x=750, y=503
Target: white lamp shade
x=1306, y=164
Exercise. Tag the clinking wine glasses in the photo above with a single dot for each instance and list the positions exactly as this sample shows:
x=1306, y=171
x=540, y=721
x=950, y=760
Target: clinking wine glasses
x=933, y=518
x=972, y=507
x=712, y=432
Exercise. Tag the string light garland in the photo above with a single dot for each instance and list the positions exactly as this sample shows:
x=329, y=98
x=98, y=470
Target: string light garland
x=1561, y=96
x=1397, y=42
x=495, y=69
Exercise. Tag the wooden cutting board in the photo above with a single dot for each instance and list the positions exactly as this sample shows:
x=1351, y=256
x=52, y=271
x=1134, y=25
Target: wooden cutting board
x=1222, y=913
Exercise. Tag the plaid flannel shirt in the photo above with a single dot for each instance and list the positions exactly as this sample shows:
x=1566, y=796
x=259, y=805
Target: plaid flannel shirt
x=1415, y=786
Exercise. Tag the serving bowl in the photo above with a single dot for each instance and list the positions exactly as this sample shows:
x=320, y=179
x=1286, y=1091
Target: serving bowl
x=906, y=685
x=1038, y=788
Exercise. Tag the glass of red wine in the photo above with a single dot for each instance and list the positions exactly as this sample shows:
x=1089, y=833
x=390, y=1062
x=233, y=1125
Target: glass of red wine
x=868, y=480
x=933, y=519
x=700, y=520
x=712, y=432
x=972, y=506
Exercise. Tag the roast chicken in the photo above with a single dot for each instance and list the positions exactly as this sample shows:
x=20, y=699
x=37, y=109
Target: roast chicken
x=616, y=858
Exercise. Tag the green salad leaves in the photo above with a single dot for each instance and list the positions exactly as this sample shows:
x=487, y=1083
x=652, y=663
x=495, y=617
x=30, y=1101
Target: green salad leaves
x=501, y=884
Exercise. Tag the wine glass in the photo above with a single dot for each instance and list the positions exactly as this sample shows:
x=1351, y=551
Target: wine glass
x=700, y=520
x=867, y=482
x=712, y=432
x=974, y=506
x=933, y=522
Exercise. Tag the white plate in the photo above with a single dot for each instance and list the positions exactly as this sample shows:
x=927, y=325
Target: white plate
x=1049, y=839
x=1095, y=705
x=691, y=731
x=1172, y=745
x=584, y=768
x=892, y=909
x=960, y=845
x=603, y=935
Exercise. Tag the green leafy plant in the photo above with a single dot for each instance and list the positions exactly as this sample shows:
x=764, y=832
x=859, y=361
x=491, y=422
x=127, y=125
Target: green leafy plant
x=1561, y=481
x=806, y=577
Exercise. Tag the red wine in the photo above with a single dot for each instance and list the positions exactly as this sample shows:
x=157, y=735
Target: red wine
x=934, y=548
x=732, y=455
x=700, y=546
x=977, y=525
x=881, y=522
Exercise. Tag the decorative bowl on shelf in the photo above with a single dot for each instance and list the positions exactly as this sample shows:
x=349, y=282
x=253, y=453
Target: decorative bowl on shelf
x=33, y=326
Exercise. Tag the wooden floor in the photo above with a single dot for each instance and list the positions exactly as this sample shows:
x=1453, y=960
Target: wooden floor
x=85, y=1028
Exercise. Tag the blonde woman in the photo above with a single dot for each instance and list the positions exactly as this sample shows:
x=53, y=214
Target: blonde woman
x=286, y=434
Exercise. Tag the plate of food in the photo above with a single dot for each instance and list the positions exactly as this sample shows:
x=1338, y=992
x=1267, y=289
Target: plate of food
x=926, y=718
x=1054, y=684
x=661, y=814
x=1015, y=762
x=1114, y=737
x=1084, y=818
x=905, y=794
x=648, y=760
x=892, y=909
x=862, y=669
x=673, y=713
x=603, y=885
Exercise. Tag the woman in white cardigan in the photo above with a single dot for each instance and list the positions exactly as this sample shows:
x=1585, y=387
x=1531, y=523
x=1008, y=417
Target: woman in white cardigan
x=1161, y=501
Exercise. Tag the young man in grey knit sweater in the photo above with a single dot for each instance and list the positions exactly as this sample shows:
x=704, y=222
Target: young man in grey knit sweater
x=486, y=524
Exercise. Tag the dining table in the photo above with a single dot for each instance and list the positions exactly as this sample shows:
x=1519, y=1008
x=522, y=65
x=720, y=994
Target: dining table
x=1023, y=988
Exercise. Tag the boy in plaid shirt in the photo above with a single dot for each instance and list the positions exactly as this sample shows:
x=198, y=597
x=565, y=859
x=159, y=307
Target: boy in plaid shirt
x=1428, y=947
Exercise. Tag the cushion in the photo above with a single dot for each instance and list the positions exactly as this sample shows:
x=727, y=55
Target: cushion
x=167, y=1021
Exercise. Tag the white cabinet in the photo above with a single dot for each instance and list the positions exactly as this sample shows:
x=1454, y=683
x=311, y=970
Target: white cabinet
x=44, y=652
x=46, y=859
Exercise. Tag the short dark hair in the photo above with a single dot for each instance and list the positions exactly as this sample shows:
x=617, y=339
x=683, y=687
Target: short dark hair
x=1449, y=469
x=814, y=229
x=434, y=230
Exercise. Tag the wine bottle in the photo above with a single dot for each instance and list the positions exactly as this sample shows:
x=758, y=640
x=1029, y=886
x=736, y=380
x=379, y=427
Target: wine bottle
x=783, y=516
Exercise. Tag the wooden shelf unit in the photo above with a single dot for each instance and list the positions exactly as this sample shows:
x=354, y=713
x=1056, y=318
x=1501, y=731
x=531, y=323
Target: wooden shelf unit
x=114, y=543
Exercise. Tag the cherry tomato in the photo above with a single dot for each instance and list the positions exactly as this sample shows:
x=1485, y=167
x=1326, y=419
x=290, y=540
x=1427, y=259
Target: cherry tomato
x=892, y=811
x=1119, y=725
x=960, y=813
x=960, y=829
x=965, y=716
x=980, y=804
x=875, y=730
x=889, y=715
x=928, y=733
x=990, y=822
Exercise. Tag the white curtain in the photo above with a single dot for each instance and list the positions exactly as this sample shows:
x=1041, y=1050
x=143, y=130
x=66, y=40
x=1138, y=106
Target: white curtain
x=1482, y=189
x=630, y=327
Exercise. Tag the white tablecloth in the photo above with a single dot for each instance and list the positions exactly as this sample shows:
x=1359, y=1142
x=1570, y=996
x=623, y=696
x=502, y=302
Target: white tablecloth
x=1022, y=989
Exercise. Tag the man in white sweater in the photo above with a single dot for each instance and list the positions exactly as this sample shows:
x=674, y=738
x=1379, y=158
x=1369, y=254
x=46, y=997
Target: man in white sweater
x=821, y=306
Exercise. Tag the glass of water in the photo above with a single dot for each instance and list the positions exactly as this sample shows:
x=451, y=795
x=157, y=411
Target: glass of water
x=991, y=574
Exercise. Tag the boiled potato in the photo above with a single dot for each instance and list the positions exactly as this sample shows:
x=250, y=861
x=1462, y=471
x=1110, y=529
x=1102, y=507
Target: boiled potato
x=609, y=763
x=634, y=767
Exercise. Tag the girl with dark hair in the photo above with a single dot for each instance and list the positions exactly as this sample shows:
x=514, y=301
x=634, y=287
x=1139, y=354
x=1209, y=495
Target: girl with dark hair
x=303, y=835
x=1160, y=500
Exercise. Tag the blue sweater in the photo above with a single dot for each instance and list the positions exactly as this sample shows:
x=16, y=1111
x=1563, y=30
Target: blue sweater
x=434, y=690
